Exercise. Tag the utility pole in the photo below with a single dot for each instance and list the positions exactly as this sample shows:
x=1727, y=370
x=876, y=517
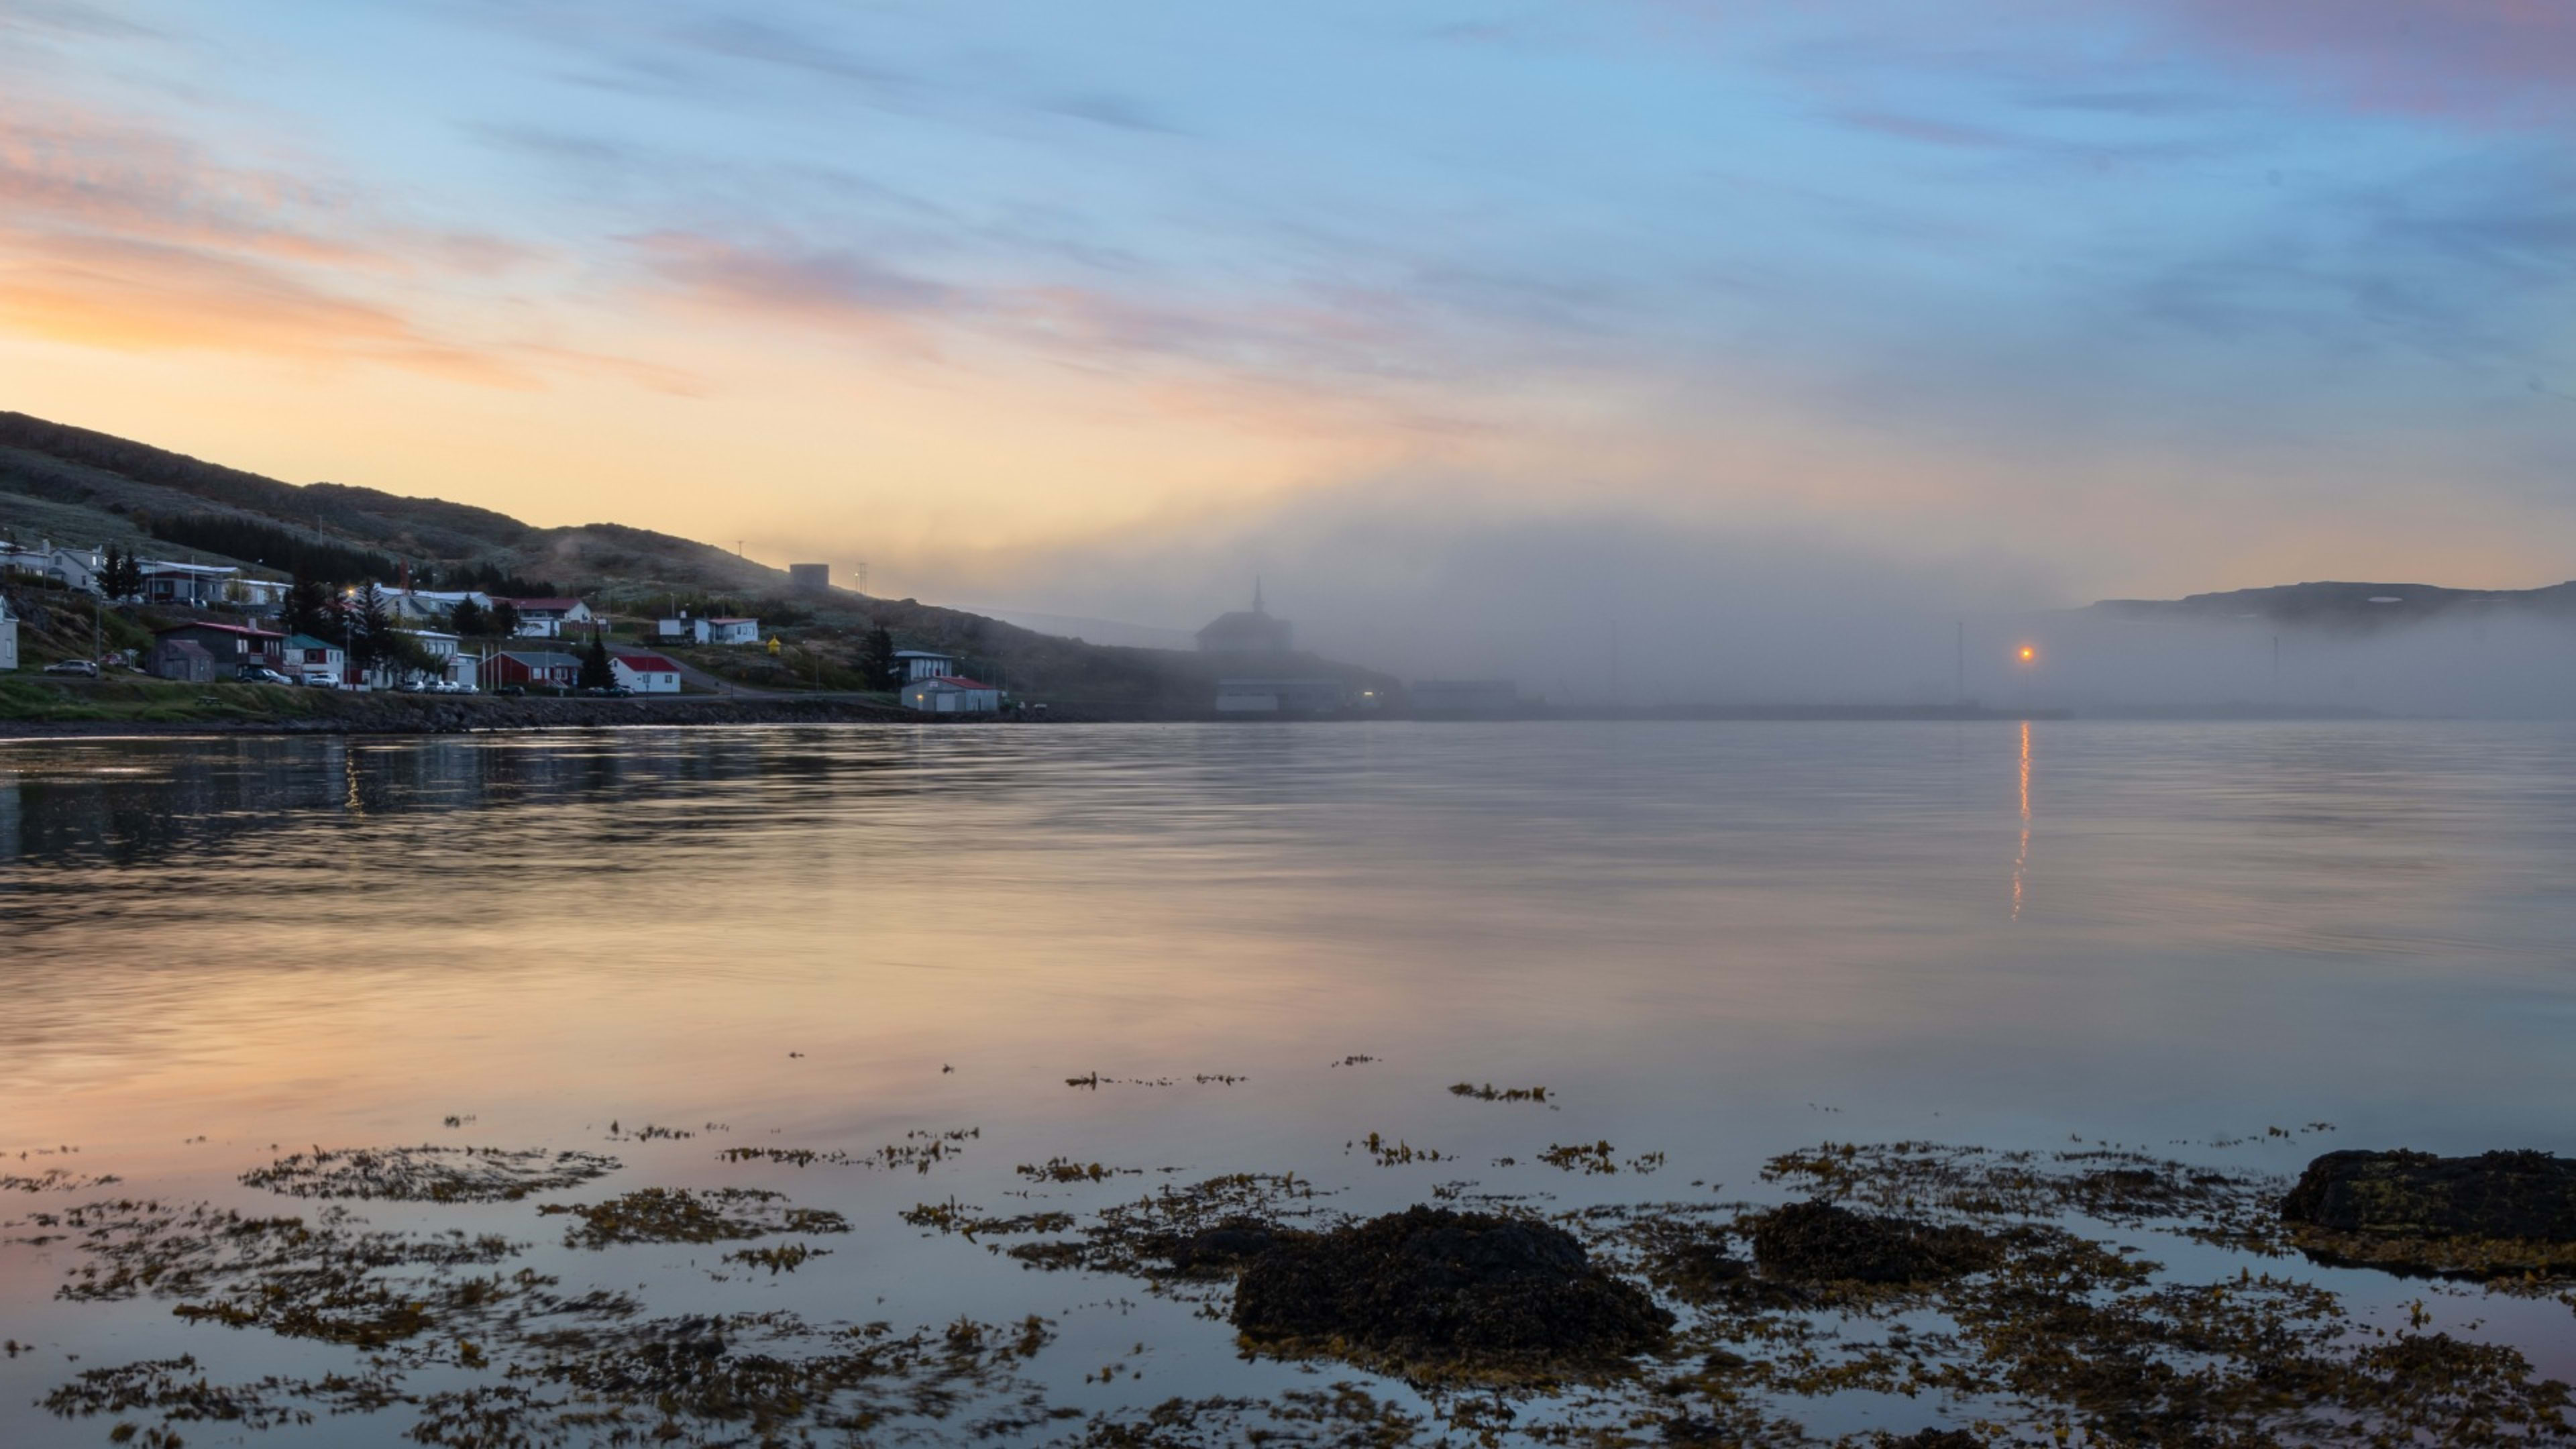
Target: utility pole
x=1960, y=681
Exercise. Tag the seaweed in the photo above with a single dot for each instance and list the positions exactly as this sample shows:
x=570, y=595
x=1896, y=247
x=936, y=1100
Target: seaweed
x=428, y=1173
x=1490, y=1093
x=682, y=1215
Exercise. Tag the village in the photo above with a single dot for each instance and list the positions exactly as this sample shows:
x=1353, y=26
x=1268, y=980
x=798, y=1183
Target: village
x=220, y=624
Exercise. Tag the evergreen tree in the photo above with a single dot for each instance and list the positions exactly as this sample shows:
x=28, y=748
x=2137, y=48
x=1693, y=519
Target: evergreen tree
x=877, y=665
x=120, y=577
x=505, y=618
x=371, y=630
x=307, y=608
x=469, y=621
x=596, y=672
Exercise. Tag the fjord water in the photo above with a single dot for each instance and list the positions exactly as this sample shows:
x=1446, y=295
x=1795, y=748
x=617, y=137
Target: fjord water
x=1718, y=941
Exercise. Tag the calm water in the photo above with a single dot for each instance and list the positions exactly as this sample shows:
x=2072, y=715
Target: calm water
x=1720, y=941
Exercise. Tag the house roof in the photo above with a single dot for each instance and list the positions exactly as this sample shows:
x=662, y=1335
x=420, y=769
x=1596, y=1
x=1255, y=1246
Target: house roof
x=542, y=606
x=952, y=681
x=923, y=654
x=160, y=566
x=221, y=629
x=647, y=662
x=733, y=621
x=540, y=658
x=307, y=641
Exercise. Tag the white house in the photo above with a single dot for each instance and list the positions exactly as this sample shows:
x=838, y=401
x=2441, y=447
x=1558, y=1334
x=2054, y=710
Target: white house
x=727, y=631
x=77, y=568
x=425, y=605
x=951, y=694
x=645, y=673
x=435, y=643
x=549, y=618
x=8, y=637
x=306, y=657
x=180, y=583
x=924, y=664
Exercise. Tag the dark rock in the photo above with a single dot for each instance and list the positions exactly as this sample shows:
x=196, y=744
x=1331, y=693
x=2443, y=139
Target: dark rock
x=1435, y=1287
x=1227, y=1246
x=1934, y=1439
x=1821, y=1242
x=2524, y=1195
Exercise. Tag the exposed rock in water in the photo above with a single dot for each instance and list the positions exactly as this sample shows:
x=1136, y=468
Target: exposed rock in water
x=1229, y=1245
x=1821, y=1242
x=1447, y=1290
x=2525, y=1195
x=1935, y=1439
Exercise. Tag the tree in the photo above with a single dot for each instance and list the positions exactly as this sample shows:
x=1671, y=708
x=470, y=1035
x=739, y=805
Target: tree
x=371, y=631
x=505, y=618
x=596, y=672
x=307, y=608
x=469, y=620
x=878, y=668
x=121, y=577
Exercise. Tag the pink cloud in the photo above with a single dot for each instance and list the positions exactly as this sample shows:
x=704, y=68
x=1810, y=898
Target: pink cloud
x=2508, y=62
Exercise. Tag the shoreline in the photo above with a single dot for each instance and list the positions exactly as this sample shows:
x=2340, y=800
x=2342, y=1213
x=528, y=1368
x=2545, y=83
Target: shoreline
x=391, y=715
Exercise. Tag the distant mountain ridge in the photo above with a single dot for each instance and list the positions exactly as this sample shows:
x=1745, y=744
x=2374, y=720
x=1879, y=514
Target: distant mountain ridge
x=85, y=487
x=2347, y=605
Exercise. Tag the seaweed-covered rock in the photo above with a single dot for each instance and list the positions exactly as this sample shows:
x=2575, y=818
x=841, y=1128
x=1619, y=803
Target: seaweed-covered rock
x=1229, y=1245
x=1433, y=1287
x=1822, y=1242
x=2525, y=1195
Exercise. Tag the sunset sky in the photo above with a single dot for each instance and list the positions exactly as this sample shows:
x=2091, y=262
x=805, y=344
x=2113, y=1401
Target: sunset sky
x=1099, y=308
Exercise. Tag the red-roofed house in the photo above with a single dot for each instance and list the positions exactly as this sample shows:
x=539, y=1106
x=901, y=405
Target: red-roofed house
x=952, y=694
x=727, y=631
x=645, y=673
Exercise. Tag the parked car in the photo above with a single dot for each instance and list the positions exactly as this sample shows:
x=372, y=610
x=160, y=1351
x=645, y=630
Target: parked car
x=86, y=668
x=319, y=681
x=513, y=690
x=260, y=674
x=607, y=691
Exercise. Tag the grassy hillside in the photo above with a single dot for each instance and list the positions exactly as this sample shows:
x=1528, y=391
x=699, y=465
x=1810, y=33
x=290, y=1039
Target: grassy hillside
x=76, y=486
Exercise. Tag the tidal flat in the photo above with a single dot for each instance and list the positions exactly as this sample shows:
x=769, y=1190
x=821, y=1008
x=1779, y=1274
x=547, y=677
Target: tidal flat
x=1914, y=1084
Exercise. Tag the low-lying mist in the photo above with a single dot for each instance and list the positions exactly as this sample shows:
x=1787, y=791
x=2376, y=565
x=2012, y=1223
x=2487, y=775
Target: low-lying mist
x=1611, y=609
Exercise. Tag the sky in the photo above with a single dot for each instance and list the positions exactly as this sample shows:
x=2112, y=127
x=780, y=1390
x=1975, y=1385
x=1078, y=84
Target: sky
x=1447, y=317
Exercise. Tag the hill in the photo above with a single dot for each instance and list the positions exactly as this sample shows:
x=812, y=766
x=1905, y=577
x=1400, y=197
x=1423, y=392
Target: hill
x=2347, y=605
x=73, y=485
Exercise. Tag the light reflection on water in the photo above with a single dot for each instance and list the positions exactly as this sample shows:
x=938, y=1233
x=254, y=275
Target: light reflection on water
x=1720, y=941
